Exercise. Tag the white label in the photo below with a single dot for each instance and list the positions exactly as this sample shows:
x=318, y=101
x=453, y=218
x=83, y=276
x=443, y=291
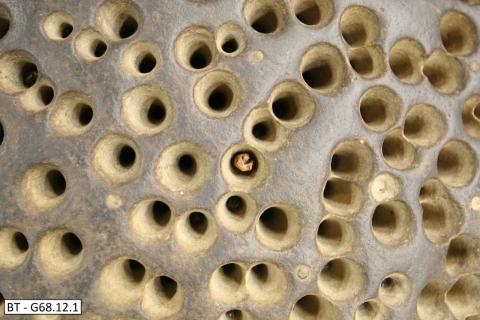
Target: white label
x=43, y=307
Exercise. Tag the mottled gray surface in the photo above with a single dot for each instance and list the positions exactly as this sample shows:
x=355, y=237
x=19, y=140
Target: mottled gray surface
x=297, y=171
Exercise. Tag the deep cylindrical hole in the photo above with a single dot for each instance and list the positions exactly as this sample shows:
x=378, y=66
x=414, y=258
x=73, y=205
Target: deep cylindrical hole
x=2, y=134
x=72, y=243
x=233, y=271
x=56, y=182
x=240, y=166
x=384, y=218
x=201, y=57
x=220, y=98
x=309, y=13
x=476, y=111
x=147, y=63
x=126, y=156
x=275, y=220
x=20, y=241
x=99, y=48
x=373, y=111
x=263, y=130
x=198, y=222
x=362, y=62
x=4, y=26
x=29, y=74
x=230, y=45
x=260, y=272
x=309, y=305
x=330, y=230
x=134, y=270
x=84, y=113
x=65, y=30
x=166, y=286
x=285, y=108
x=387, y=283
x=156, y=112
x=187, y=164
x=236, y=205
x=128, y=27
x=234, y=314
x=161, y=213
x=266, y=23
x=46, y=94
x=319, y=76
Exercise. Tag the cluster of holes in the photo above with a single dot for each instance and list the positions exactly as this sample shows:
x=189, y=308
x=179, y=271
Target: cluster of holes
x=125, y=281
x=264, y=283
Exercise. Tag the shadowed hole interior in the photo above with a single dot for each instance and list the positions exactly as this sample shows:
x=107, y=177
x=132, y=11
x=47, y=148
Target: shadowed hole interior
x=198, y=222
x=29, y=74
x=384, y=219
x=187, y=164
x=260, y=272
x=330, y=230
x=236, y=205
x=233, y=272
x=234, y=314
x=161, y=213
x=2, y=299
x=476, y=111
x=220, y=98
x=20, y=241
x=65, y=30
x=156, y=112
x=266, y=23
x=361, y=62
x=275, y=220
x=201, y=57
x=128, y=27
x=373, y=111
x=134, y=270
x=72, y=243
x=56, y=182
x=84, y=113
x=388, y=283
x=2, y=134
x=354, y=34
x=264, y=130
x=344, y=162
x=99, y=48
x=309, y=305
x=338, y=191
x=319, y=76
x=126, y=156
x=147, y=63
x=46, y=94
x=251, y=158
x=166, y=286
x=4, y=24
x=285, y=108
x=230, y=45
x=308, y=13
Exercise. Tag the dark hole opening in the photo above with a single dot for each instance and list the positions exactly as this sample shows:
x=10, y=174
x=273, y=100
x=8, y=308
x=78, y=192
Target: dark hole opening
x=187, y=164
x=392, y=147
x=128, y=28
x=266, y=23
x=56, y=182
x=476, y=111
x=21, y=241
x=362, y=63
x=309, y=14
x=2, y=299
x=29, y=74
x=156, y=112
x=220, y=98
x=285, y=108
x=201, y=57
x=72, y=243
x=233, y=272
x=161, y=213
x=263, y=131
x=134, y=270
x=230, y=46
x=4, y=26
x=234, y=314
x=250, y=161
x=384, y=218
x=65, y=30
x=387, y=283
x=309, y=304
x=354, y=34
x=85, y=114
x=126, y=156
x=453, y=40
x=2, y=134
x=318, y=77
x=236, y=205
x=330, y=230
x=260, y=271
x=147, y=63
x=167, y=286
x=99, y=48
x=46, y=94
x=373, y=111
x=275, y=220
x=401, y=66
x=346, y=162
x=198, y=222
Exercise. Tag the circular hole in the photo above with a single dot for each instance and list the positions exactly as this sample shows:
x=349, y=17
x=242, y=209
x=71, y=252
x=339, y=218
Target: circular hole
x=456, y=164
x=4, y=22
x=266, y=284
x=243, y=167
x=264, y=130
x=156, y=112
x=167, y=286
x=430, y=303
x=392, y=223
x=397, y=152
x=56, y=182
x=230, y=45
x=29, y=74
x=461, y=254
x=198, y=222
x=195, y=48
x=342, y=197
x=201, y=57
x=261, y=130
x=352, y=160
x=85, y=114
x=334, y=237
x=230, y=39
x=118, y=20
x=341, y=279
x=46, y=94
x=128, y=27
x=236, y=205
x=90, y=45
x=162, y=297
x=161, y=213
x=58, y=26
x=368, y=62
x=134, y=270
x=274, y=220
x=312, y=307
x=445, y=73
x=99, y=48
x=220, y=98
x=285, y=108
x=14, y=247
x=458, y=33
x=73, y=114
x=226, y=283
x=461, y=297
x=187, y=164
x=72, y=243
x=151, y=220
x=406, y=57
x=264, y=16
x=359, y=26
x=371, y=309
x=126, y=156
x=424, y=125
x=20, y=72
x=147, y=63
x=307, y=12
x=395, y=289
x=379, y=108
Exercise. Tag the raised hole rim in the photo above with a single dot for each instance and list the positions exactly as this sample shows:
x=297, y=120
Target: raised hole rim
x=335, y=236
x=227, y=283
x=266, y=283
x=118, y=20
x=239, y=216
x=195, y=42
x=341, y=279
x=359, y=26
x=444, y=72
x=196, y=231
x=163, y=297
x=393, y=223
x=456, y=163
x=379, y=108
x=58, y=26
x=368, y=62
x=73, y=114
x=342, y=197
x=227, y=33
x=265, y=16
x=406, y=59
x=151, y=220
x=262, y=131
x=397, y=152
x=90, y=45
x=142, y=59
x=313, y=13
x=458, y=33
x=15, y=248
